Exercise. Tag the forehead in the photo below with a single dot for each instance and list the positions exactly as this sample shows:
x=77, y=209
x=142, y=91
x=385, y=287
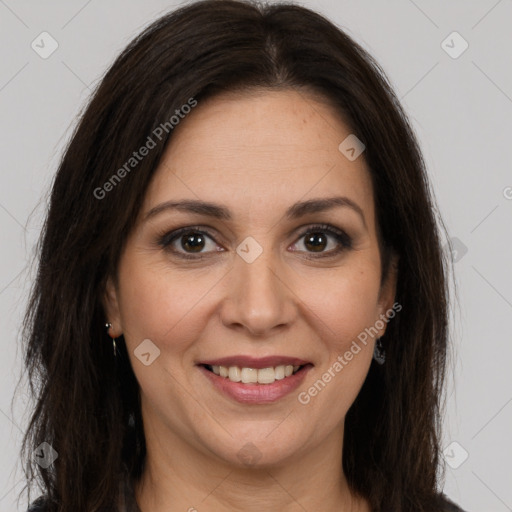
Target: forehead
x=259, y=150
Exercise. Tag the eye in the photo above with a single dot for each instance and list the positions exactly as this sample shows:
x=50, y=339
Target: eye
x=316, y=240
x=192, y=242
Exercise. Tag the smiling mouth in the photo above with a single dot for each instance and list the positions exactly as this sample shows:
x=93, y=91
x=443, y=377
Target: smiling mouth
x=246, y=375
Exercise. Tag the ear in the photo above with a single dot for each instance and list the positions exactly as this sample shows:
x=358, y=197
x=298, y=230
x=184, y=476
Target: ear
x=387, y=292
x=111, y=306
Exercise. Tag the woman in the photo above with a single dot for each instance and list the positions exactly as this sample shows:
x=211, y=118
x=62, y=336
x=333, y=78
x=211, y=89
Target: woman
x=241, y=301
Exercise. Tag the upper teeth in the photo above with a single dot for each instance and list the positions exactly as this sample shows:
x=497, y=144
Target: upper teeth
x=253, y=375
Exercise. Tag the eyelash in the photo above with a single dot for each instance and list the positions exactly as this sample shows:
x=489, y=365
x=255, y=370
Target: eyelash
x=341, y=237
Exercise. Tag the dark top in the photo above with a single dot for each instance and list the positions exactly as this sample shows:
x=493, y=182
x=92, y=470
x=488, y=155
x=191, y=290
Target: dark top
x=129, y=504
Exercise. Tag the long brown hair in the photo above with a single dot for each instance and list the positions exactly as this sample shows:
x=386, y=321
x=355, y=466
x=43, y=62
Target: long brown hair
x=87, y=402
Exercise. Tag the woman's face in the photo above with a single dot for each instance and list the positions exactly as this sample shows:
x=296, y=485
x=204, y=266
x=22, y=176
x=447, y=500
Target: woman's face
x=253, y=282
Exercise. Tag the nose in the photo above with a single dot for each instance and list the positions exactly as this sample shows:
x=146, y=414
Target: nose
x=258, y=299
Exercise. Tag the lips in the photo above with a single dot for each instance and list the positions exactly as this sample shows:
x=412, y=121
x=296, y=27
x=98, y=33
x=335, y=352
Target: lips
x=255, y=380
x=256, y=363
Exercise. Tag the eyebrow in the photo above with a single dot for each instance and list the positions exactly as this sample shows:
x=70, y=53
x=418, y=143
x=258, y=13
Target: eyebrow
x=297, y=210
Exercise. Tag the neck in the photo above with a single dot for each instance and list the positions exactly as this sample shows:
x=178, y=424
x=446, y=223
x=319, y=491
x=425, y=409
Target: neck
x=186, y=479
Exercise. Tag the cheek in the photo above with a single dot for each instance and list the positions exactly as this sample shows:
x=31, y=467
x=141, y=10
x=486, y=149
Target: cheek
x=347, y=304
x=350, y=308
x=161, y=305
x=343, y=315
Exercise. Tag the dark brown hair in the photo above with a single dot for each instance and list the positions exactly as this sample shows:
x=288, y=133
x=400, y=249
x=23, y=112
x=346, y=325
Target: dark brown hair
x=87, y=403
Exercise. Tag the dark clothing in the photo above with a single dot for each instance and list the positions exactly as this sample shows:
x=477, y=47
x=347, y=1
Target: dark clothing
x=449, y=506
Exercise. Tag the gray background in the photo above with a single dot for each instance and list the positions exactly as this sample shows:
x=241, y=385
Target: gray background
x=461, y=109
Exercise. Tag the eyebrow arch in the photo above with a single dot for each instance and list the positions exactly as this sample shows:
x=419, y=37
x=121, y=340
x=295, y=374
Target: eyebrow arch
x=297, y=210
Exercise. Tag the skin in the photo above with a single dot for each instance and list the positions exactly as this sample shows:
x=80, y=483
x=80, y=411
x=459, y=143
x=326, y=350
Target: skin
x=255, y=153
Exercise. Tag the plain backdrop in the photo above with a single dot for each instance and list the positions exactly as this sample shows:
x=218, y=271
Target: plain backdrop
x=460, y=103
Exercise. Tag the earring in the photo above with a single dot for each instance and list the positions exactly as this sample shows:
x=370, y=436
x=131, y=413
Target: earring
x=379, y=354
x=108, y=327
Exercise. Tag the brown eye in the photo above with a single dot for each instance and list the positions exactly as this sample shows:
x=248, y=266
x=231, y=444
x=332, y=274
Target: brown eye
x=318, y=238
x=319, y=241
x=188, y=243
x=316, y=242
x=193, y=242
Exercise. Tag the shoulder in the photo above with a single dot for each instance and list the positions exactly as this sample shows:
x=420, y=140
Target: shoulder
x=39, y=505
x=447, y=505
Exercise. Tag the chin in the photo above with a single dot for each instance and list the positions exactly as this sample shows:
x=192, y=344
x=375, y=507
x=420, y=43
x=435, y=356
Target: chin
x=257, y=447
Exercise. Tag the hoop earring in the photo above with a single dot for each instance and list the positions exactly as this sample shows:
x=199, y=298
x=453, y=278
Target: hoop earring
x=379, y=354
x=108, y=327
